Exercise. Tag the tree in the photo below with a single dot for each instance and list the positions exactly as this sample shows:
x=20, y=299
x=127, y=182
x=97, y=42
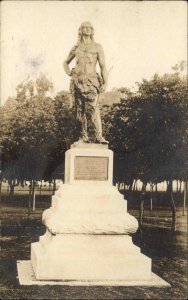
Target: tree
x=43, y=85
x=149, y=132
x=28, y=132
x=66, y=132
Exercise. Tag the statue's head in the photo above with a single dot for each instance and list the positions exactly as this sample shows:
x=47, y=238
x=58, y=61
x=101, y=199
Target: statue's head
x=84, y=26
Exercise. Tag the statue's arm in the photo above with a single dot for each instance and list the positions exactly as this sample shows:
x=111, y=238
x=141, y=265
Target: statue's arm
x=102, y=65
x=68, y=60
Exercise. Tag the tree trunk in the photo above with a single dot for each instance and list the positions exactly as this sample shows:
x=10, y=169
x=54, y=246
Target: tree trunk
x=173, y=228
x=22, y=183
x=12, y=189
x=8, y=187
x=54, y=186
x=173, y=207
x=29, y=199
x=12, y=185
x=133, y=185
x=136, y=185
x=180, y=186
x=40, y=187
x=184, y=197
x=167, y=186
x=151, y=197
x=33, y=197
x=130, y=186
x=142, y=196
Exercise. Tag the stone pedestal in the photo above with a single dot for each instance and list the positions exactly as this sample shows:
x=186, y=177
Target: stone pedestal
x=88, y=227
x=88, y=163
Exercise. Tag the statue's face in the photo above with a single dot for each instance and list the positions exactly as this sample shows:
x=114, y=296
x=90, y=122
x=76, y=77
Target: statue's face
x=86, y=30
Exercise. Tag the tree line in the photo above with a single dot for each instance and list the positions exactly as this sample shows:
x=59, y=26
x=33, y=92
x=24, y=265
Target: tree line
x=147, y=130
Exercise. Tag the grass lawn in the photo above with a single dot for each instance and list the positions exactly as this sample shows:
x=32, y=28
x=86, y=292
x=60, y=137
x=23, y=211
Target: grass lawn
x=168, y=252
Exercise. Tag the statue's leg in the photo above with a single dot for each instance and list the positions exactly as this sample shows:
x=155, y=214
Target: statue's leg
x=84, y=135
x=96, y=121
x=81, y=116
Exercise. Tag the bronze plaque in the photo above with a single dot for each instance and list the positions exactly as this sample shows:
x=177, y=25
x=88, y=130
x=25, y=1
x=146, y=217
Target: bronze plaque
x=91, y=168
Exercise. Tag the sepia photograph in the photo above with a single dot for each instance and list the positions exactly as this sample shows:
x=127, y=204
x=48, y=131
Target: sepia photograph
x=93, y=149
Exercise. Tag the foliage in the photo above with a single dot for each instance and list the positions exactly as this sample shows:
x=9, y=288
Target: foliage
x=149, y=130
x=27, y=129
x=66, y=132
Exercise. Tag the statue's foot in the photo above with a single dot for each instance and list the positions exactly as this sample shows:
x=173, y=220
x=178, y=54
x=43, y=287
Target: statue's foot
x=101, y=140
x=85, y=139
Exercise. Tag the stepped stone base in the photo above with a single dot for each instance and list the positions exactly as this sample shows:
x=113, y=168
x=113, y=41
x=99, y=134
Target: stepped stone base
x=89, y=257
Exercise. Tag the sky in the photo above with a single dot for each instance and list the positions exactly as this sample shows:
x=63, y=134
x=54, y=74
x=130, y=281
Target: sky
x=139, y=38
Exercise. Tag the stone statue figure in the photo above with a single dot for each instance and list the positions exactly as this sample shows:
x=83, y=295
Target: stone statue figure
x=86, y=84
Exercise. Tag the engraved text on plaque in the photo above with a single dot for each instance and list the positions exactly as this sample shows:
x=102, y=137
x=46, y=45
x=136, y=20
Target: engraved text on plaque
x=91, y=168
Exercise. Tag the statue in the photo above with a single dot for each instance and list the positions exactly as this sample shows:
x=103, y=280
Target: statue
x=86, y=84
